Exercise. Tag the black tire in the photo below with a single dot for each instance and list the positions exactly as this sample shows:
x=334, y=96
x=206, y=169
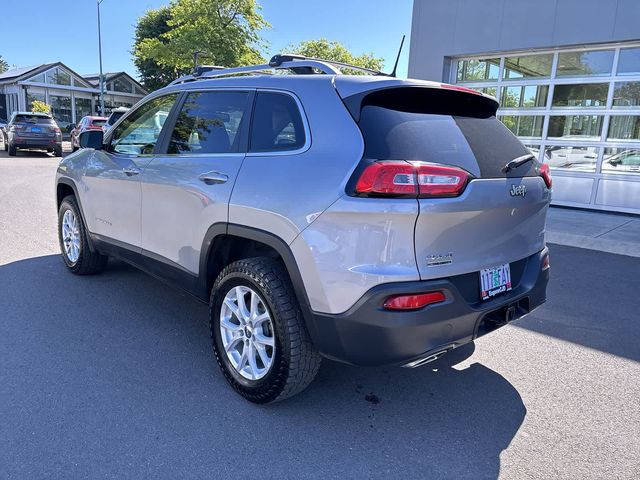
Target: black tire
x=88, y=262
x=57, y=152
x=296, y=361
x=75, y=149
x=12, y=150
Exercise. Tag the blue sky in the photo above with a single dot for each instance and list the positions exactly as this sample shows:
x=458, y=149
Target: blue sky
x=71, y=32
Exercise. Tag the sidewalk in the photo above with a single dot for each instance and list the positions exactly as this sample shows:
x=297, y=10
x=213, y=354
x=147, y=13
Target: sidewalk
x=606, y=232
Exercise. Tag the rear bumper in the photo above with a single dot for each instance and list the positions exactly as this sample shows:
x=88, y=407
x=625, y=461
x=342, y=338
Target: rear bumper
x=367, y=334
x=36, y=143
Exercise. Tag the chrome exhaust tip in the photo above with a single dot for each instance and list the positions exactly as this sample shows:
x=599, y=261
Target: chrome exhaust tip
x=432, y=357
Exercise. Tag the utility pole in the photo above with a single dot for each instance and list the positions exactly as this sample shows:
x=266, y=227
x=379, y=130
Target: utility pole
x=100, y=57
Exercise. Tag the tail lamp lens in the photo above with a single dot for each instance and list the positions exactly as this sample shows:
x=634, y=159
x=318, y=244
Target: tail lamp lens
x=545, y=173
x=413, y=302
x=545, y=262
x=412, y=178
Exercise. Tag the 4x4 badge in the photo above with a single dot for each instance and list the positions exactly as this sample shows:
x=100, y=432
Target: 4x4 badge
x=518, y=191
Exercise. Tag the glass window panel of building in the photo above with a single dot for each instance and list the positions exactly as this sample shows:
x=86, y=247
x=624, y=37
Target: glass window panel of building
x=528, y=66
x=629, y=61
x=584, y=64
x=626, y=94
x=624, y=127
x=524, y=125
x=478, y=70
x=61, y=110
x=621, y=160
x=582, y=127
x=31, y=96
x=580, y=95
x=83, y=108
x=577, y=159
x=529, y=96
x=58, y=76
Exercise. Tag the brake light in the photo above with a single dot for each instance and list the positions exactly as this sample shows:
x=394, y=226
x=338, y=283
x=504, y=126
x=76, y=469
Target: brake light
x=57, y=129
x=413, y=302
x=421, y=179
x=545, y=173
x=447, y=86
x=545, y=262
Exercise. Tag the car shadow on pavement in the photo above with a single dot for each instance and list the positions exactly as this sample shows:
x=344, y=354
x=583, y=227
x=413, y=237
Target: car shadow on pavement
x=113, y=375
x=592, y=300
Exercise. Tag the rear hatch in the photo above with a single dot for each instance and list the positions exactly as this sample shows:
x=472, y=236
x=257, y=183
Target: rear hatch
x=497, y=216
x=35, y=127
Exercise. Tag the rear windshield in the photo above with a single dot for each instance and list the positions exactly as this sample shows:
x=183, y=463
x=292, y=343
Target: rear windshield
x=33, y=119
x=98, y=123
x=477, y=142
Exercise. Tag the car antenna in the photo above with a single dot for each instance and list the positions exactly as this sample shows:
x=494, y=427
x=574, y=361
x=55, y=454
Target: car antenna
x=395, y=66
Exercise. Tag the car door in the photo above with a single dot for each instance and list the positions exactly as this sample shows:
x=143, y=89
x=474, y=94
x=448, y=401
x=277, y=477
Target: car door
x=112, y=196
x=186, y=189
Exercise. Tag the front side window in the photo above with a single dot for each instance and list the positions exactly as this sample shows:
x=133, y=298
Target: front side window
x=209, y=122
x=139, y=133
x=277, y=124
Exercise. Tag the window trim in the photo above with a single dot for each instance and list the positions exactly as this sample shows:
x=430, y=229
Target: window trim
x=305, y=126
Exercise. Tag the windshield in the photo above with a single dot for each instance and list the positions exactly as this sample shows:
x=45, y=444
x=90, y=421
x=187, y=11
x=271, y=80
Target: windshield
x=115, y=116
x=98, y=123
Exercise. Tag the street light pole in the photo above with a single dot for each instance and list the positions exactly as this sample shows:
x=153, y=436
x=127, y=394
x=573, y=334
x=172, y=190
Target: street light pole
x=100, y=57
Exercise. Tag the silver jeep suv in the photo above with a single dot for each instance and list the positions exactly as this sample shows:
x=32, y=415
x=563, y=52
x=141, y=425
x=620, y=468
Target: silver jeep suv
x=365, y=219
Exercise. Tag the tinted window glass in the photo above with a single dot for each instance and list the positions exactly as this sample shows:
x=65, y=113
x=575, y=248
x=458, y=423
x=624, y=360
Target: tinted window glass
x=277, y=123
x=209, y=122
x=139, y=133
x=98, y=123
x=481, y=146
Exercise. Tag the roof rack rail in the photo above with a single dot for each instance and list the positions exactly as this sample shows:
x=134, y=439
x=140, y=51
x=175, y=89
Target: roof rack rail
x=298, y=64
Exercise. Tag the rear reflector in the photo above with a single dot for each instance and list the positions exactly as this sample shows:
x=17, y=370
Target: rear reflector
x=545, y=173
x=413, y=302
x=421, y=179
x=545, y=262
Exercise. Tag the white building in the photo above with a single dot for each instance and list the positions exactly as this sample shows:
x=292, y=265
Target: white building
x=71, y=96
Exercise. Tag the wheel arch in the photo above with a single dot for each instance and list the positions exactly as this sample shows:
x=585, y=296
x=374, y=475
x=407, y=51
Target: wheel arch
x=225, y=243
x=65, y=187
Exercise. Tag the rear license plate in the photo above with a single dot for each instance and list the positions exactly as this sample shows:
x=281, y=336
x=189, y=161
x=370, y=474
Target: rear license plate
x=494, y=281
x=36, y=130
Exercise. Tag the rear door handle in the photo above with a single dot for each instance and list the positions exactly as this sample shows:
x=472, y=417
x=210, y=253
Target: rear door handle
x=131, y=171
x=212, y=178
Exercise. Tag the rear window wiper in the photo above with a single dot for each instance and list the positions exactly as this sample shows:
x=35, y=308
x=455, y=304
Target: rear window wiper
x=516, y=162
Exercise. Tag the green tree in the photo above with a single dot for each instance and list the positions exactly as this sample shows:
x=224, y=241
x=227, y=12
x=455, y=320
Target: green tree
x=152, y=25
x=332, y=50
x=4, y=66
x=227, y=30
x=40, y=107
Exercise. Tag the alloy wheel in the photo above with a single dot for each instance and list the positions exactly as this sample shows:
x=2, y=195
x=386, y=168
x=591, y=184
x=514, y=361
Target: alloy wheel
x=247, y=332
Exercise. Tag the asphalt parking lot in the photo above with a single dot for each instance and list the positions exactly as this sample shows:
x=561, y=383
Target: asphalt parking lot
x=112, y=376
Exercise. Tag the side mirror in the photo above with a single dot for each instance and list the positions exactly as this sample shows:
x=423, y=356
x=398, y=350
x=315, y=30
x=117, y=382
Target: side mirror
x=92, y=139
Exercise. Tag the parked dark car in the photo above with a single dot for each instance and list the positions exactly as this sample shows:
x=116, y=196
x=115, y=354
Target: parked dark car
x=33, y=131
x=87, y=123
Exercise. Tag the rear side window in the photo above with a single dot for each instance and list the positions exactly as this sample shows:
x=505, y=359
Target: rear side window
x=98, y=123
x=277, y=124
x=209, y=122
x=422, y=129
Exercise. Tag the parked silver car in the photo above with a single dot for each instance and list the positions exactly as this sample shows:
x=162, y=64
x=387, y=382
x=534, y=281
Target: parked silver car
x=366, y=219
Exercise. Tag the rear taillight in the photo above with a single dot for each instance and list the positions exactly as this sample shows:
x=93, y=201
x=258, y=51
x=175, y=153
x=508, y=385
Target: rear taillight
x=545, y=262
x=545, y=173
x=413, y=302
x=398, y=178
x=57, y=129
